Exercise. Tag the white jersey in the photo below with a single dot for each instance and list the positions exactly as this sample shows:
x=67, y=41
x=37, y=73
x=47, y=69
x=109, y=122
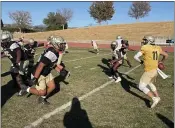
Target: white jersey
x=119, y=44
x=94, y=44
x=114, y=53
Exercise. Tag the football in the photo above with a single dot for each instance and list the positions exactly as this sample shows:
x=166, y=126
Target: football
x=161, y=66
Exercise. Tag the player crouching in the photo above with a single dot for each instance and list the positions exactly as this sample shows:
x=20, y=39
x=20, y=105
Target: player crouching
x=150, y=53
x=42, y=77
x=116, y=62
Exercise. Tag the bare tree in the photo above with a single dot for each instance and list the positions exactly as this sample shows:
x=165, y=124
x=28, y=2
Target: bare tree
x=21, y=18
x=66, y=15
x=139, y=9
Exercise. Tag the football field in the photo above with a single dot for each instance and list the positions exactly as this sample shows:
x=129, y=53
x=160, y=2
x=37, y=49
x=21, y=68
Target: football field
x=102, y=103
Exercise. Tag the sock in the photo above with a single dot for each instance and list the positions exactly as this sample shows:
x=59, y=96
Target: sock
x=28, y=89
x=43, y=97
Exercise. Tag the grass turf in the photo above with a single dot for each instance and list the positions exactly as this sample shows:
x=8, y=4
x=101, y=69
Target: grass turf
x=117, y=105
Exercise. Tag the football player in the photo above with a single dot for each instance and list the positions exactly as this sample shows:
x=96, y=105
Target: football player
x=95, y=46
x=18, y=58
x=150, y=53
x=119, y=42
x=116, y=62
x=124, y=48
x=30, y=49
x=42, y=77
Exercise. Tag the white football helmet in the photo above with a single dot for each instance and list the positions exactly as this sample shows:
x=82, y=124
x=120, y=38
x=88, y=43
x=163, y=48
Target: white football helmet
x=6, y=36
x=58, y=42
x=118, y=37
x=148, y=40
x=31, y=41
x=114, y=45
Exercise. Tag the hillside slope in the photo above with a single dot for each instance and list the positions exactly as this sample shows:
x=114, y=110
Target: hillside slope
x=133, y=32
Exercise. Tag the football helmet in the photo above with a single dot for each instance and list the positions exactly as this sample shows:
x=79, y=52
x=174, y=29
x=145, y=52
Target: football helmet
x=6, y=37
x=58, y=42
x=148, y=40
x=118, y=37
x=31, y=41
x=114, y=45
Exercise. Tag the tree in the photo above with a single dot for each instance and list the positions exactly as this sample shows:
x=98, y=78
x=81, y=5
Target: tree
x=58, y=20
x=21, y=18
x=66, y=15
x=139, y=9
x=102, y=11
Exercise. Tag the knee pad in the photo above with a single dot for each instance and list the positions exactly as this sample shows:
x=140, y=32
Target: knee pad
x=143, y=88
x=153, y=87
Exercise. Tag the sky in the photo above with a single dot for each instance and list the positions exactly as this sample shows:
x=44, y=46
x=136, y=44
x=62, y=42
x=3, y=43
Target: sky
x=160, y=11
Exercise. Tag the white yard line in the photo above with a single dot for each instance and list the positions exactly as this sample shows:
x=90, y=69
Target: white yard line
x=87, y=57
x=93, y=68
x=78, y=67
x=68, y=104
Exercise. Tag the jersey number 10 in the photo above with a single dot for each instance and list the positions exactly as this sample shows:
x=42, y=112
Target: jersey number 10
x=155, y=55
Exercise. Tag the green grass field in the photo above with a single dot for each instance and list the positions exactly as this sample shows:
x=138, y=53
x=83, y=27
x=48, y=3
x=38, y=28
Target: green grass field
x=117, y=105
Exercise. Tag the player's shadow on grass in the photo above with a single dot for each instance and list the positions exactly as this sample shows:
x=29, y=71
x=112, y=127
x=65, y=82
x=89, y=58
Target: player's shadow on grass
x=57, y=80
x=7, y=91
x=5, y=74
x=92, y=51
x=105, y=70
x=76, y=117
x=126, y=84
x=168, y=122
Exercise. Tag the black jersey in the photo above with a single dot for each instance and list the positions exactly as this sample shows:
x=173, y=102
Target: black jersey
x=11, y=52
x=49, y=58
x=123, y=49
x=29, y=50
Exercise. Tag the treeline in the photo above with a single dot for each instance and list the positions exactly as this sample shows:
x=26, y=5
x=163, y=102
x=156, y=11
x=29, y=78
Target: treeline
x=101, y=11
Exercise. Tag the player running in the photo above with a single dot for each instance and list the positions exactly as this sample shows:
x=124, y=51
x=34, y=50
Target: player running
x=116, y=62
x=42, y=77
x=95, y=46
x=14, y=52
x=150, y=53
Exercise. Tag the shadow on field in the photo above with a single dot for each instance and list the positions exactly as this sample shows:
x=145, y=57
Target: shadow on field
x=57, y=80
x=7, y=91
x=76, y=117
x=126, y=84
x=5, y=74
x=168, y=122
x=105, y=70
x=92, y=51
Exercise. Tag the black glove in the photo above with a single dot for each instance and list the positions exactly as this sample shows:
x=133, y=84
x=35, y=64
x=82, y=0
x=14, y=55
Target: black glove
x=64, y=73
x=15, y=68
x=33, y=81
x=141, y=62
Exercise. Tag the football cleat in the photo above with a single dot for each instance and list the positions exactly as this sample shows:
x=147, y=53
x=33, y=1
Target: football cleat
x=118, y=80
x=22, y=93
x=43, y=101
x=155, y=101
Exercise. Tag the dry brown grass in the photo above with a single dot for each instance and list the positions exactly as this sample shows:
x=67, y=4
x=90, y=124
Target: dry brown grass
x=133, y=32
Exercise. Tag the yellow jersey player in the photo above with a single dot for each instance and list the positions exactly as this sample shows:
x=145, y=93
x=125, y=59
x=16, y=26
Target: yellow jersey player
x=150, y=53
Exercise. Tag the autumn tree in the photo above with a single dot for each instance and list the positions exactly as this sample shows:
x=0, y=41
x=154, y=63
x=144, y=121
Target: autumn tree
x=139, y=9
x=102, y=11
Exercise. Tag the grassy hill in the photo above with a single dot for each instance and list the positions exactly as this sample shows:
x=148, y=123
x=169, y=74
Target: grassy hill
x=133, y=32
